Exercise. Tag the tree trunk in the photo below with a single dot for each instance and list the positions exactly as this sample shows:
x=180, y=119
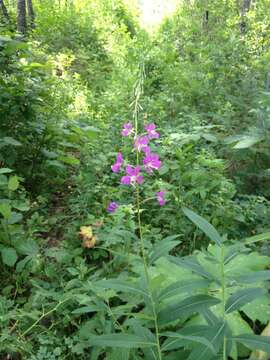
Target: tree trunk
x=4, y=10
x=21, y=16
x=244, y=10
x=31, y=13
x=246, y=6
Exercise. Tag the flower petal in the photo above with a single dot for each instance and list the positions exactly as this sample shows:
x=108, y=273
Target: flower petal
x=116, y=167
x=139, y=179
x=126, y=180
x=129, y=170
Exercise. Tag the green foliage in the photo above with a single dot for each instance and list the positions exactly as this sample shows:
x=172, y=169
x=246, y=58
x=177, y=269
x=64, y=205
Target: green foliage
x=118, y=289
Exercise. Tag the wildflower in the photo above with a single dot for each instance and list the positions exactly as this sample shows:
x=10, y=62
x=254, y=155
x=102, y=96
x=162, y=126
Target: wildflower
x=160, y=198
x=89, y=243
x=141, y=144
x=117, y=165
x=127, y=129
x=151, y=162
x=86, y=232
x=150, y=128
x=132, y=176
x=112, y=207
x=89, y=240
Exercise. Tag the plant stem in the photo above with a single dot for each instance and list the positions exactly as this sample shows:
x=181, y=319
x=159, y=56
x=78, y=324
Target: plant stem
x=137, y=92
x=43, y=316
x=223, y=299
x=147, y=273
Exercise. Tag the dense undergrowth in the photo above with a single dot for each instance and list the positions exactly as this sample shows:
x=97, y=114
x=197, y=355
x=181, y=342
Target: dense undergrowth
x=97, y=267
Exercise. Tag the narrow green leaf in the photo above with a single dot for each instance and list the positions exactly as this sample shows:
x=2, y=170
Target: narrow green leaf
x=210, y=317
x=173, y=344
x=242, y=297
x=256, y=238
x=255, y=276
x=149, y=352
x=5, y=171
x=254, y=342
x=120, y=340
x=233, y=251
x=181, y=287
x=186, y=307
x=87, y=309
x=191, y=263
x=120, y=285
x=215, y=336
x=204, y=225
x=162, y=248
x=247, y=141
x=197, y=339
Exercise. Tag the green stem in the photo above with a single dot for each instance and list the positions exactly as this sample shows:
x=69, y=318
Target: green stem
x=138, y=91
x=6, y=231
x=223, y=299
x=43, y=316
x=147, y=273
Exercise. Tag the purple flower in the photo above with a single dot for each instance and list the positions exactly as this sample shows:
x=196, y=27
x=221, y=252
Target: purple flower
x=151, y=162
x=132, y=176
x=112, y=207
x=160, y=198
x=150, y=128
x=141, y=144
x=117, y=165
x=127, y=129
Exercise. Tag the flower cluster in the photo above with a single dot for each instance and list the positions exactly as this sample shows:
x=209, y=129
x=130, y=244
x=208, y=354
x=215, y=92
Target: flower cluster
x=150, y=162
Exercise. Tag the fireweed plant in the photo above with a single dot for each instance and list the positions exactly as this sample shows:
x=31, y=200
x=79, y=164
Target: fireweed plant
x=146, y=161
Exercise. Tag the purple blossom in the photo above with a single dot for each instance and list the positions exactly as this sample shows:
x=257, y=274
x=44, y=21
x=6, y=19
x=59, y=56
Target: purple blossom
x=160, y=198
x=127, y=129
x=112, y=207
x=117, y=165
x=151, y=162
x=141, y=144
x=132, y=176
x=150, y=128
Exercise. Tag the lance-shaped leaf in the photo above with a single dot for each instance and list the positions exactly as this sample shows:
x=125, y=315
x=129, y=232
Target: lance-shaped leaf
x=189, y=338
x=255, y=276
x=122, y=286
x=186, y=307
x=254, y=342
x=163, y=247
x=149, y=352
x=210, y=317
x=204, y=225
x=215, y=336
x=191, y=263
x=120, y=340
x=256, y=238
x=242, y=297
x=181, y=287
